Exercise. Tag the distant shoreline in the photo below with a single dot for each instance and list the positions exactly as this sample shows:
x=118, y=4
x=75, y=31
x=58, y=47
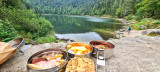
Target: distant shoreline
x=48, y=14
x=119, y=19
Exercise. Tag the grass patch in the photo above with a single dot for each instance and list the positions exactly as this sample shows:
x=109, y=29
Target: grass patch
x=47, y=39
x=156, y=22
x=146, y=23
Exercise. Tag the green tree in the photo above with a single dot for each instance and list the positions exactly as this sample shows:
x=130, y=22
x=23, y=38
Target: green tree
x=22, y=20
x=119, y=12
x=149, y=8
x=6, y=32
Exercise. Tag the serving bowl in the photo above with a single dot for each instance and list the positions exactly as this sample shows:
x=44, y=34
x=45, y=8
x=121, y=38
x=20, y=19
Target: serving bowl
x=86, y=55
x=58, y=68
x=108, y=51
x=17, y=43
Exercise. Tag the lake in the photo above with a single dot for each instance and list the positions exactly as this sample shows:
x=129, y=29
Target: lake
x=83, y=28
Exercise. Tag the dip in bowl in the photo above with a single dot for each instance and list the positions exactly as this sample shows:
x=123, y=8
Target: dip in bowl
x=101, y=48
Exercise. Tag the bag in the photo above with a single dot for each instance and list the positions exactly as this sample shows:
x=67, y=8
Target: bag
x=6, y=51
x=129, y=29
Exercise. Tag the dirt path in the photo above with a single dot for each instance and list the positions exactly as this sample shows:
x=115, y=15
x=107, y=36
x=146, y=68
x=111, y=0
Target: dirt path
x=130, y=55
x=133, y=33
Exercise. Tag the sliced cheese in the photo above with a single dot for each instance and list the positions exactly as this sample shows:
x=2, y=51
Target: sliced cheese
x=78, y=48
x=79, y=52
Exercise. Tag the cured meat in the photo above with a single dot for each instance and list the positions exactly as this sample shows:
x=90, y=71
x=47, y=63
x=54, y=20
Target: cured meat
x=47, y=60
x=36, y=59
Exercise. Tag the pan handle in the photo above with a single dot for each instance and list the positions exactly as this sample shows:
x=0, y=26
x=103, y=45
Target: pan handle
x=97, y=59
x=103, y=59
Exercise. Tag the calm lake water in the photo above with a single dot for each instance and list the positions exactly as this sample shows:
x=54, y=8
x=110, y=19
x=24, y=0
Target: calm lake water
x=83, y=28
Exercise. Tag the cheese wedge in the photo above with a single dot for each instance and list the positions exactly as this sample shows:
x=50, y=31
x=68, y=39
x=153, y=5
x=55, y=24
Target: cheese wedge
x=35, y=66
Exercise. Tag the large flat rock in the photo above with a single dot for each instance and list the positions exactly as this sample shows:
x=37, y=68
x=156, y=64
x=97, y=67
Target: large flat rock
x=130, y=55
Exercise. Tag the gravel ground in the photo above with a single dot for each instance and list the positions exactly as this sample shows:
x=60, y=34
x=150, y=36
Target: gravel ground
x=130, y=55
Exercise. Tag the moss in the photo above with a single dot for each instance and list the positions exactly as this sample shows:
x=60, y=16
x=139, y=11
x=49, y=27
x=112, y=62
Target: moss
x=154, y=34
x=132, y=20
x=27, y=41
x=105, y=34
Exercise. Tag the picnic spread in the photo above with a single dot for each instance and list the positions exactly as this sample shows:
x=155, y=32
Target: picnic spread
x=76, y=57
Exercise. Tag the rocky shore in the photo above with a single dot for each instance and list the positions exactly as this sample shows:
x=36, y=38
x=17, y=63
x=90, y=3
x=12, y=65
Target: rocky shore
x=134, y=52
x=131, y=54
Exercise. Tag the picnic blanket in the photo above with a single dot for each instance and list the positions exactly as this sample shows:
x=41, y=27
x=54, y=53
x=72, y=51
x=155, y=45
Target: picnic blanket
x=6, y=51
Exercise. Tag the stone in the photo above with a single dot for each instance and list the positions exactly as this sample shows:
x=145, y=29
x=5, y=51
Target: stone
x=131, y=25
x=32, y=42
x=56, y=41
x=119, y=34
x=158, y=27
x=148, y=31
x=123, y=27
x=144, y=32
x=142, y=27
x=133, y=22
x=121, y=30
x=128, y=23
x=72, y=40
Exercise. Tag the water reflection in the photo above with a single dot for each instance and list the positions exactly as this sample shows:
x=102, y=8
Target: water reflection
x=82, y=37
x=70, y=26
x=92, y=19
x=96, y=19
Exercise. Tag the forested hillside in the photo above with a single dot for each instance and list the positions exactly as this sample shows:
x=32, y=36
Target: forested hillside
x=120, y=8
x=20, y=18
x=76, y=7
x=18, y=21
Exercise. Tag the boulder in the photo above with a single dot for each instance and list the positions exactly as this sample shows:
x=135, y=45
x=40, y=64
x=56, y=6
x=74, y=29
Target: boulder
x=72, y=40
x=158, y=27
x=122, y=30
x=144, y=32
x=124, y=27
x=119, y=34
x=132, y=22
x=131, y=25
x=148, y=31
x=142, y=27
x=128, y=23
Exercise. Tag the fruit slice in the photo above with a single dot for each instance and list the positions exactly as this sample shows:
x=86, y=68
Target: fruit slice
x=79, y=52
x=78, y=48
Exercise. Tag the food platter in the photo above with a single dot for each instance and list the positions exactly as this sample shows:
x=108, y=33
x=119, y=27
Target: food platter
x=77, y=57
x=58, y=68
x=78, y=49
x=80, y=65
